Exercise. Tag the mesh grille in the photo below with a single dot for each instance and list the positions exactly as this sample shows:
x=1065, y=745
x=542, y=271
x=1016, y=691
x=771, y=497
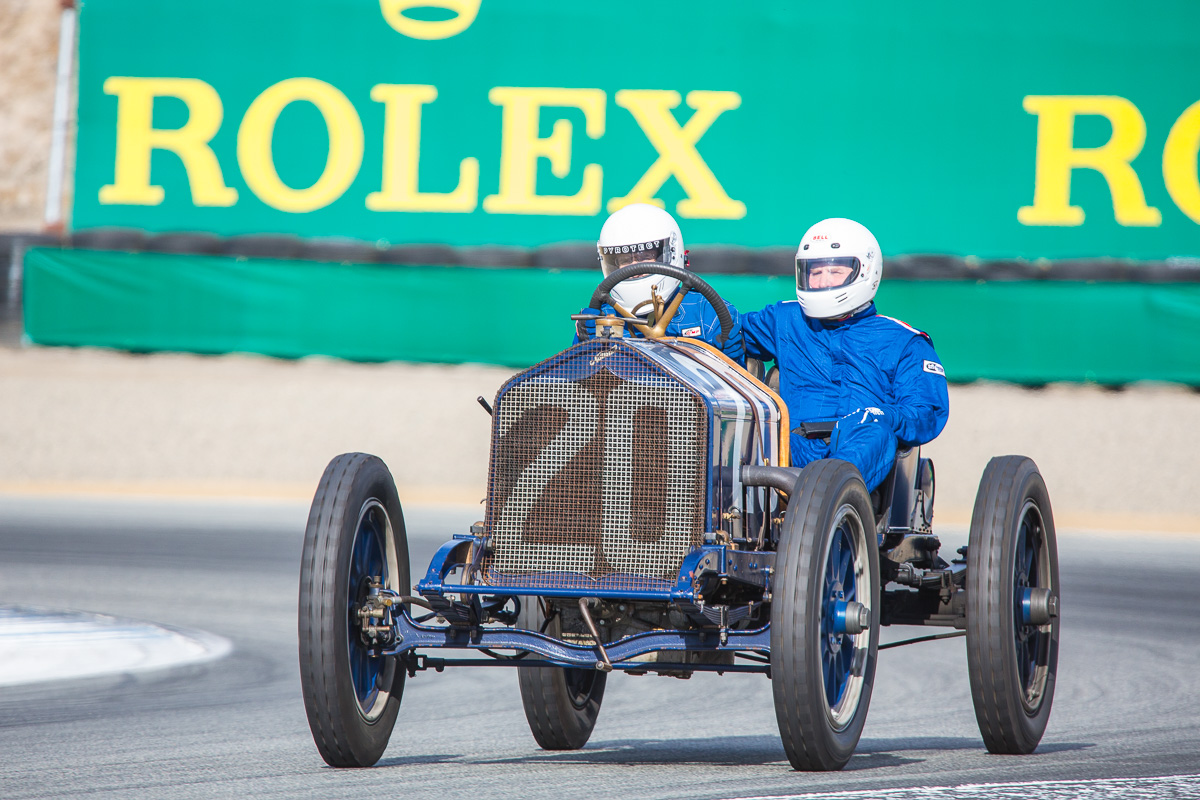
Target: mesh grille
x=598, y=474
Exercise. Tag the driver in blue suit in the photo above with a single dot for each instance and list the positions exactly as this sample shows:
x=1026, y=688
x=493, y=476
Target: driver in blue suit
x=641, y=232
x=840, y=359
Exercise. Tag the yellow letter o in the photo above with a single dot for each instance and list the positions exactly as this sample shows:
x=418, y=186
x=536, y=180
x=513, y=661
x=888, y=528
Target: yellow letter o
x=341, y=163
x=1179, y=162
x=465, y=12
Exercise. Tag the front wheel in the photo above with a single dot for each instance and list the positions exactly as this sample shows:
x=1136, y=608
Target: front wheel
x=560, y=704
x=824, y=616
x=355, y=538
x=1012, y=606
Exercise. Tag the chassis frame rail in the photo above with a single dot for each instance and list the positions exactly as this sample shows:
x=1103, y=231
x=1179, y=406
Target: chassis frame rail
x=409, y=635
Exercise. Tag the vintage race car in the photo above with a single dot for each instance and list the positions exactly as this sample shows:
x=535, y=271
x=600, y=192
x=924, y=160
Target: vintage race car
x=642, y=518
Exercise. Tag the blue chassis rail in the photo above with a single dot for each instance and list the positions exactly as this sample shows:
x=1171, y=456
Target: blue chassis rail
x=717, y=560
x=555, y=653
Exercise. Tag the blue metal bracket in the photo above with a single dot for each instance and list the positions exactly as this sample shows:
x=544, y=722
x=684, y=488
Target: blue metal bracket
x=752, y=567
x=746, y=566
x=449, y=557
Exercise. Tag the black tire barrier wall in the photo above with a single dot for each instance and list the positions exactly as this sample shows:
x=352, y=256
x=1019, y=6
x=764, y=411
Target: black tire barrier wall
x=715, y=259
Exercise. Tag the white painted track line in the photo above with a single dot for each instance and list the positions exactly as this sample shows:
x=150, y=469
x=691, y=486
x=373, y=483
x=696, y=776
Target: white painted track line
x=41, y=645
x=1177, y=787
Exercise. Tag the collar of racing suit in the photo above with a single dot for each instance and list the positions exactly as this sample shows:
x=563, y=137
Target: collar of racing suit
x=866, y=311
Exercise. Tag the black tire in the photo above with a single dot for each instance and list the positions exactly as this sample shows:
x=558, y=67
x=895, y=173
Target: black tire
x=560, y=704
x=355, y=530
x=1012, y=551
x=822, y=679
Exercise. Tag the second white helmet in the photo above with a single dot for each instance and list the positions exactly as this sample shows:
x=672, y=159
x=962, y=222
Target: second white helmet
x=838, y=268
x=636, y=233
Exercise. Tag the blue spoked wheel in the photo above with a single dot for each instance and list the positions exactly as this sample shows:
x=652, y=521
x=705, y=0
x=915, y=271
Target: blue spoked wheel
x=1012, y=606
x=355, y=540
x=824, y=620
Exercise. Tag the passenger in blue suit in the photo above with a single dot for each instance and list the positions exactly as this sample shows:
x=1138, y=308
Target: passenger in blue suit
x=839, y=359
x=641, y=232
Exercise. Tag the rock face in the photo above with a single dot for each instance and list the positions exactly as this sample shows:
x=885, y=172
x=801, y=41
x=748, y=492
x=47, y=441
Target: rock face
x=28, y=64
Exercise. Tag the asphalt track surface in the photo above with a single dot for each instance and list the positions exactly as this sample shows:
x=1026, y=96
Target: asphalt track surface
x=1124, y=722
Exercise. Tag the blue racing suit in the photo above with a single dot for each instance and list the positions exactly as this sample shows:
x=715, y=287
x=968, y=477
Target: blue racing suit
x=696, y=319
x=880, y=378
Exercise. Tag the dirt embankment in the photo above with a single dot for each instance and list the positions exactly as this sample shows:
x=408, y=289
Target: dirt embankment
x=98, y=421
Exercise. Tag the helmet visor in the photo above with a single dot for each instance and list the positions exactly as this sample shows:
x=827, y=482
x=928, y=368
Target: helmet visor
x=817, y=274
x=622, y=255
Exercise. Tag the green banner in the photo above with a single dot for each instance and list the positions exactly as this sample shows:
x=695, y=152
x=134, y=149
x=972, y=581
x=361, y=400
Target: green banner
x=1027, y=332
x=1056, y=130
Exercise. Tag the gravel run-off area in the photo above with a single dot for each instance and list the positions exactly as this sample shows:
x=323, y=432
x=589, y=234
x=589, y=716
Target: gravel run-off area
x=85, y=421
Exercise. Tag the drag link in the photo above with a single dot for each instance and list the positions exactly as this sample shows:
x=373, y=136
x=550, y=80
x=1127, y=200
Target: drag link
x=604, y=665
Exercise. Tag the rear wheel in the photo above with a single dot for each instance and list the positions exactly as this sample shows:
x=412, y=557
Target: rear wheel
x=355, y=538
x=1012, y=606
x=560, y=704
x=824, y=623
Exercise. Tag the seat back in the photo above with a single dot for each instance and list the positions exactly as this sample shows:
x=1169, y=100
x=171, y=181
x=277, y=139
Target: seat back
x=768, y=376
x=904, y=501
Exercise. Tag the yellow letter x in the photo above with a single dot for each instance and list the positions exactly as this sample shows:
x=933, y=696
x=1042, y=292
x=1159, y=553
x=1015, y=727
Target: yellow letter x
x=677, y=154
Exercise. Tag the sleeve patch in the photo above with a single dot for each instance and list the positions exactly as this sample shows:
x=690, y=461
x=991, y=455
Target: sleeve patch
x=935, y=368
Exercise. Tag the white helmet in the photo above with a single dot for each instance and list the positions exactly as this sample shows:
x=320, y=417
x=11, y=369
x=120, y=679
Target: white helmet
x=640, y=232
x=838, y=267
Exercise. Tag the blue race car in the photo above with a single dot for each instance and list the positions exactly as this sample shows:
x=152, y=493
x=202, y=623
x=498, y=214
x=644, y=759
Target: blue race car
x=641, y=518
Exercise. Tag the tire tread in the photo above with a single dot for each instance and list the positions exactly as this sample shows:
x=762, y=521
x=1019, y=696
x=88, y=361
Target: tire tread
x=807, y=737
x=342, y=738
x=995, y=688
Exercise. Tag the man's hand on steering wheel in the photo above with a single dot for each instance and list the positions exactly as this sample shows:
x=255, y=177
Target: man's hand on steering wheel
x=688, y=281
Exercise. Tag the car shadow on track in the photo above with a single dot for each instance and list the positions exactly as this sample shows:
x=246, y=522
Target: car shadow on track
x=712, y=751
x=724, y=750
x=909, y=743
x=947, y=743
x=721, y=751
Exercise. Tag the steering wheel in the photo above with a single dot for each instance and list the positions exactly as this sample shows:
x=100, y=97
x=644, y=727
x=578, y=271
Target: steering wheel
x=687, y=282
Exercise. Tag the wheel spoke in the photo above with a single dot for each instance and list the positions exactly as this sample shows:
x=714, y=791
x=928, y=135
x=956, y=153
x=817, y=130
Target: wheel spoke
x=831, y=574
x=1031, y=552
x=831, y=687
x=1021, y=556
x=848, y=657
x=1031, y=569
